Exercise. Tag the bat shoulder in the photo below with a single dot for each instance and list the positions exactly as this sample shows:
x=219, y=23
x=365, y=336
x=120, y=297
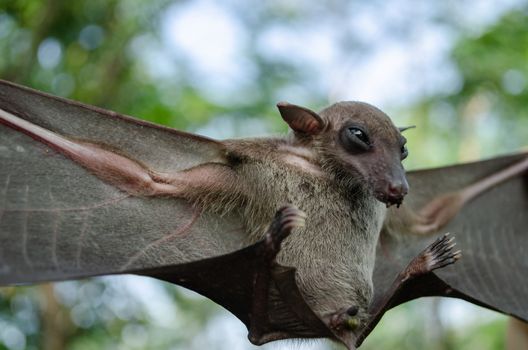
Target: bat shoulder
x=275, y=152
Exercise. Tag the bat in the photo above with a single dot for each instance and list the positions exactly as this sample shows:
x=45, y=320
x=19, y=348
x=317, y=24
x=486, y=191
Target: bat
x=84, y=192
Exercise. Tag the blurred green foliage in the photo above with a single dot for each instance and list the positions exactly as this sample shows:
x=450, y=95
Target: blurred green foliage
x=487, y=112
x=111, y=53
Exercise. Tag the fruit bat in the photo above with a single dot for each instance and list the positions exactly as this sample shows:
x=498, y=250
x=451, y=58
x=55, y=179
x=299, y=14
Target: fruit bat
x=299, y=237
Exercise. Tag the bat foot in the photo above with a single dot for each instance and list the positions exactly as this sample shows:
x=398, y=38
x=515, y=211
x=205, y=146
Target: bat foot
x=441, y=253
x=286, y=219
x=436, y=256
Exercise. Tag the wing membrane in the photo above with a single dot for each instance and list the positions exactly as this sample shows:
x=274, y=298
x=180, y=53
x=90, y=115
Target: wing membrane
x=491, y=231
x=58, y=220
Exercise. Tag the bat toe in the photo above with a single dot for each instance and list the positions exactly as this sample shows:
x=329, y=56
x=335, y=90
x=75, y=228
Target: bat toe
x=441, y=253
x=437, y=255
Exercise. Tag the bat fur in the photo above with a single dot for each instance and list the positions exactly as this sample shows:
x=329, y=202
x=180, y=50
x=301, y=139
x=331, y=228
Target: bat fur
x=341, y=166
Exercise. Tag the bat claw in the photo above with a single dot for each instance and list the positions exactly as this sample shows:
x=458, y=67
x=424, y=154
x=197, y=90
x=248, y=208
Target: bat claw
x=441, y=254
x=286, y=219
x=437, y=255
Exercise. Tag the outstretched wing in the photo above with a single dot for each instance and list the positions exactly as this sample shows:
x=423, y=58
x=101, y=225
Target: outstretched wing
x=59, y=221
x=491, y=231
x=69, y=208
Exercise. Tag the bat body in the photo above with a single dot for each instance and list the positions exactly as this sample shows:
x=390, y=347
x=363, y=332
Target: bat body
x=334, y=255
x=79, y=200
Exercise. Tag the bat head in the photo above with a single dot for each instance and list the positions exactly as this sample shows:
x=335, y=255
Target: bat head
x=356, y=141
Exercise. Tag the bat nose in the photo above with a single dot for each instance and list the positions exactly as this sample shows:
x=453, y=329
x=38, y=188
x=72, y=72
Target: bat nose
x=397, y=190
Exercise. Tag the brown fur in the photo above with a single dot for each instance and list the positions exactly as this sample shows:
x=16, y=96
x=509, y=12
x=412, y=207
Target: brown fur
x=323, y=168
x=334, y=254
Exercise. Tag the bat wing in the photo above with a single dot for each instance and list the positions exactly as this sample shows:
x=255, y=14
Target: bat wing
x=491, y=231
x=61, y=219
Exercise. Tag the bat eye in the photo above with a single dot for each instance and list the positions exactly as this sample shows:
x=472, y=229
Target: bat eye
x=355, y=140
x=360, y=135
x=404, y=152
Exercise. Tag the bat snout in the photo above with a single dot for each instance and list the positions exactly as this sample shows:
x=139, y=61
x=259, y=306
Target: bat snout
x=393, y=192
x=397, y=190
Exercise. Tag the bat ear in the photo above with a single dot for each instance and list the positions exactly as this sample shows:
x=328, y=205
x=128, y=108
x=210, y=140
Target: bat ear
x=403, y=128
x=302, y=120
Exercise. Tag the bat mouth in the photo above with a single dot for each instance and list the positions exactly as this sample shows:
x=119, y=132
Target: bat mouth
x=389, y=199
x=391, y=191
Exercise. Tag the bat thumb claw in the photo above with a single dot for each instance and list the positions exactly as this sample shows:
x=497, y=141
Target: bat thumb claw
x=286, y=219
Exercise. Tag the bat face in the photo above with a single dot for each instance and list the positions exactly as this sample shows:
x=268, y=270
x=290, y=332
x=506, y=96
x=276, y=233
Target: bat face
x=368, y=148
